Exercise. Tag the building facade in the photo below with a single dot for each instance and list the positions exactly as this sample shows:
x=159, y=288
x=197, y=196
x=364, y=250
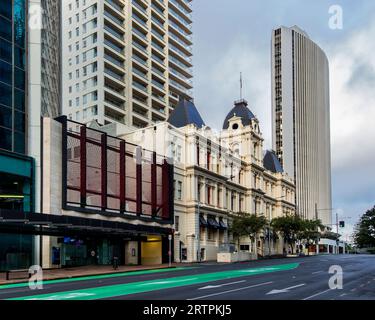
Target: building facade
x=125, y=62
x=301, y=119
x=16, y=168
x=216, y=177
x=102, y=197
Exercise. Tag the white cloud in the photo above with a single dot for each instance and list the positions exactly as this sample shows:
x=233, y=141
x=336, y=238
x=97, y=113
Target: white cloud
x=352, y=100
x=219, y=84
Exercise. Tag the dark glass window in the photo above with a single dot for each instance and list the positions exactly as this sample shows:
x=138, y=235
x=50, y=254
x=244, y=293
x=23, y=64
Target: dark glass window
x=19, y=142
x=19, y=57
x=5, y=72
x=19, y=100
x=5, y=29
x=6, y=139
x=19, y=78
x=19, y=121
x=5, y=94
x=5, y=50
x=5, y=117
x=6, y=9
x=19, y=22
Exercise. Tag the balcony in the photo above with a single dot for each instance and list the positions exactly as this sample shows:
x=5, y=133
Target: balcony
x=139, y=123
x=160, y=48
x=115, y=5
x=141, y=48
x=140, y=86
x=158, y=98
x=158, y=35
x=139, y=111
x=140, y=73
x=158, y=72
x=113, y=46
x=140, y=60
x=184, y=46
x=158, y=84
x=114, y=74
x=157, y=22
x=140, y=8
x=181, y=66
x=184, y=23
x=187, y=13
x=114, y=102
x=114, y=60
x=179, y=77
x=114, y=33
x=141, y=23
x=113, y=18
x=114, y=88
x=180, y=88
x=180, y=31
x=140, y=34
x=158, y=10
x=113, y=115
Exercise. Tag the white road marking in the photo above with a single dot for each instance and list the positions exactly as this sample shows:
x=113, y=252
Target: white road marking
x=316, y=272
x=167, y=281
x=317, y=294
x=353, y=290
x=276, y=291
x=233, y=290
x=221, y=285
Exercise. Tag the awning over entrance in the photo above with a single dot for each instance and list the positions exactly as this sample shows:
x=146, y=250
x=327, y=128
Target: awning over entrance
x=202, y=222
x=212, y=223
x=223, y=225
x=56, y=225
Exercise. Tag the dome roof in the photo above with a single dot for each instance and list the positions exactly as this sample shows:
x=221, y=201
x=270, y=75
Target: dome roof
x=241, y=110
x=185, y=113
x=272, y=163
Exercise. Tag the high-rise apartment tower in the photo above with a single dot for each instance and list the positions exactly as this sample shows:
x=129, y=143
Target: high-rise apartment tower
x=126, y=62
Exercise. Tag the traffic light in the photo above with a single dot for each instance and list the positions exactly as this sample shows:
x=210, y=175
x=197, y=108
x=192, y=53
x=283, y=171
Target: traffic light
x=342, y=224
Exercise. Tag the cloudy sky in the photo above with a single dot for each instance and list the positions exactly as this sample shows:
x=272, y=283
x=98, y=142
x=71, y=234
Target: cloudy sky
x=233, y=36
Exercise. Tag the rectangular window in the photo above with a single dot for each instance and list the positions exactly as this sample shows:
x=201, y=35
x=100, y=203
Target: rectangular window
x=179, y=190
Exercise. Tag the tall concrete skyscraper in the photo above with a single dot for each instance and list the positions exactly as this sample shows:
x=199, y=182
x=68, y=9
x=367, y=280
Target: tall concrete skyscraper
x=301, y=119
x=125, y=62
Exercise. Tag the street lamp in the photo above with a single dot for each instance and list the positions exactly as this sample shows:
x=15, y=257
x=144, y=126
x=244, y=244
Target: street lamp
x=198, y=234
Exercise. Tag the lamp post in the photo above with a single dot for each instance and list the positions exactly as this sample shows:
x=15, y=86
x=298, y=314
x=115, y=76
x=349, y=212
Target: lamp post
x=198, y=235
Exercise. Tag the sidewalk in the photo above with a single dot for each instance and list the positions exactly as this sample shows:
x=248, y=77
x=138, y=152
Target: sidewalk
x=52, y=274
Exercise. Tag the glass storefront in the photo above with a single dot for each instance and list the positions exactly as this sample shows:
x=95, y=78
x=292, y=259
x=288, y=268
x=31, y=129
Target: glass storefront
x=90, y=251
x=16, y=251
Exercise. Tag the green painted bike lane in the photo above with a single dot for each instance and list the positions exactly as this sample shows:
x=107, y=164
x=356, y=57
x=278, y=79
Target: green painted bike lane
x=153, y=285
x=97, y=277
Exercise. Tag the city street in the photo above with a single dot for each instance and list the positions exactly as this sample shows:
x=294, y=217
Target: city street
x=291, y=279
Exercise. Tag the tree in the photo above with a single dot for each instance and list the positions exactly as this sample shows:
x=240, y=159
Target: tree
x=289, y=227
x=238, y=229
x=364, y=234
x=247, y=225
x=310, y=231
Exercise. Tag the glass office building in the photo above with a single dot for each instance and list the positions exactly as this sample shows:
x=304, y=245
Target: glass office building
x=12, y=75
x=16, y=169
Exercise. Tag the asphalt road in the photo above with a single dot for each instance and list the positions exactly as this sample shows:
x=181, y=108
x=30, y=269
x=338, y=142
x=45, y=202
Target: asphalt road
x=281, y=279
